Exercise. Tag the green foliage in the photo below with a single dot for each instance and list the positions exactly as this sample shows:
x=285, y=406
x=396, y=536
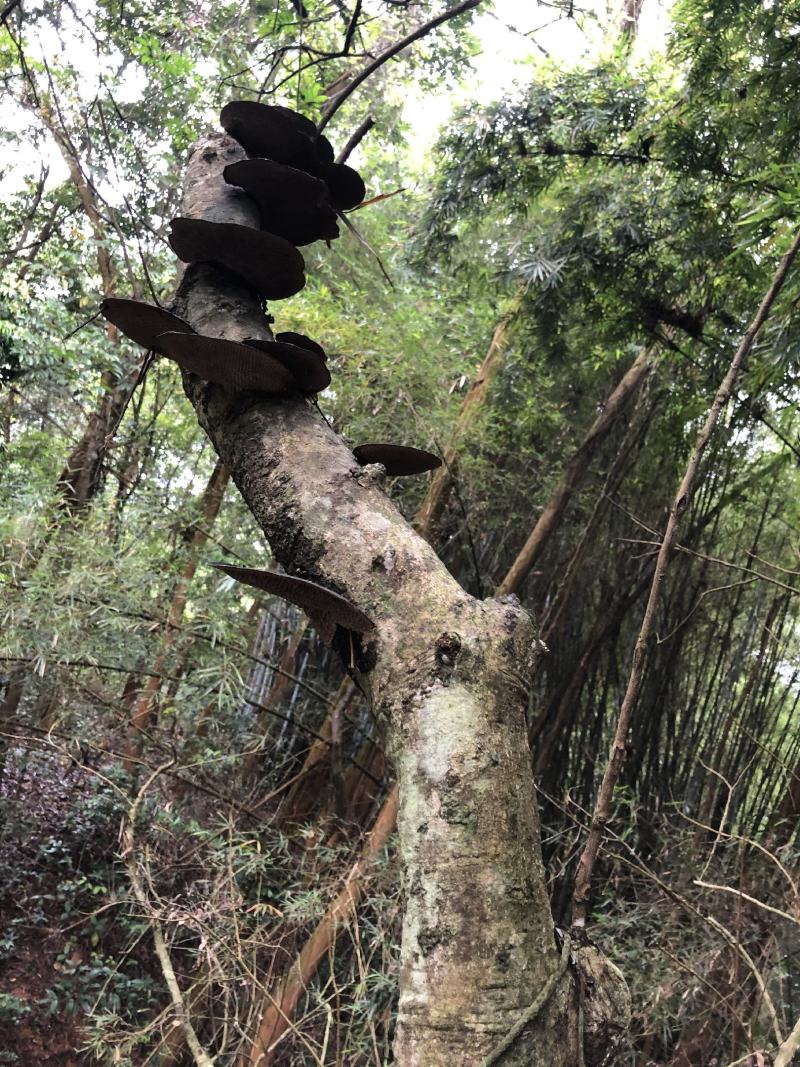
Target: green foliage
x=13, y=1009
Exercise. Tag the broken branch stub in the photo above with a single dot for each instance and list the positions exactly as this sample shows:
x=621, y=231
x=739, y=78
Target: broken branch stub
x=272, y=265
x=306, y=367
x=142, y=323
x=229, y=363
x=304, y=594
x=293, y=204
x=397, y=459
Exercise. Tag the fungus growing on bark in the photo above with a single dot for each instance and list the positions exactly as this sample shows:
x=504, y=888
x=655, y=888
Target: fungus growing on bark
x=283, y=135
x=142, y=323
x=229, y=363
x=304, y=594
x=275, y=132
x=397, y=459
x=306, y=366
x=300, y=339
x=272, y=265
x=346, y=185
x=293, y=204
x=289, y=466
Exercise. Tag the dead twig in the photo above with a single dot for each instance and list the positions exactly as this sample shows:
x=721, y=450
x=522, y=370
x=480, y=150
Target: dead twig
x=751, y=900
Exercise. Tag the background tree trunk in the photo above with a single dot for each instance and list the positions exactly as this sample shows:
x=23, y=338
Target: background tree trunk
x=576, y=470
x=196, y=536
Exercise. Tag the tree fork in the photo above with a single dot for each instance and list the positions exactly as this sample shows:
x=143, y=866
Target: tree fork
x=447, y=677
x=280, y=1006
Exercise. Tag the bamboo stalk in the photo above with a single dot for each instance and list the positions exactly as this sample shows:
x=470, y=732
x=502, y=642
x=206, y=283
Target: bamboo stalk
x=602, y=809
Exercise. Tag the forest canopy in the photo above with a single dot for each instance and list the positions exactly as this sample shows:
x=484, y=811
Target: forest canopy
x=555, y=648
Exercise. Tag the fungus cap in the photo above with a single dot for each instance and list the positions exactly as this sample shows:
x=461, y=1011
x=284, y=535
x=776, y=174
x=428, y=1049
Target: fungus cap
x=292, y=203
x=229, y=363
x=272, y=265
x=305, y=594
x=306, y=367
x=397, y=459
x=142, y=322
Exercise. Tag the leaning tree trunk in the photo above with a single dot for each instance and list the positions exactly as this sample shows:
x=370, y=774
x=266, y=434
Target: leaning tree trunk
x=447, y=677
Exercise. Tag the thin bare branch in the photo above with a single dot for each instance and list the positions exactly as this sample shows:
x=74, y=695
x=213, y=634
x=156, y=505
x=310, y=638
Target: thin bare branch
x=336, y=102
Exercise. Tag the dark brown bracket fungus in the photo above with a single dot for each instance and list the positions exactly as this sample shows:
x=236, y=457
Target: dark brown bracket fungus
x=276, y=133
x=289, y=337
x=306, y=367
x=229, y=363
x=397, y=459
x=293, y=204
x=142, y=323
x=304, y=594
x=283, y=135
x=272, y=265
x=346, y=185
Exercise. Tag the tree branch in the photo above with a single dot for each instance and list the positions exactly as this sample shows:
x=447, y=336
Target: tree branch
x=9, y=9
x=356, y=138
x=333, y=106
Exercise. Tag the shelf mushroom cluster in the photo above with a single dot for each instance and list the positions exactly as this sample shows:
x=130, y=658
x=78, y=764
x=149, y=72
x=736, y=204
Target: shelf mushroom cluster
x=300, y=192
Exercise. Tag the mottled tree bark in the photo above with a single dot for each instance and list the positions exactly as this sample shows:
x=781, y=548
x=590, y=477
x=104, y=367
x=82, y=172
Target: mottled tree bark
x=279, y=689
x=629, y=23
x=447, y=677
